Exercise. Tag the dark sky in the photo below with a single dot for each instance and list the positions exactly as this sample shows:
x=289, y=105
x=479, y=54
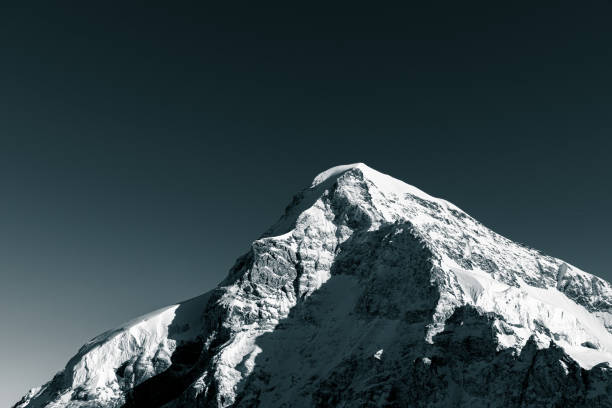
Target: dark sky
x=143, y=149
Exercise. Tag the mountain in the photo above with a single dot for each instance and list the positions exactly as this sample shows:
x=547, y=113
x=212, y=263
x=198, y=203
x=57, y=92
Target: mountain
x=366, y=292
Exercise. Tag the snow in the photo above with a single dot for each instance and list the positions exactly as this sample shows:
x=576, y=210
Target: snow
x=139, y=343
x=334, y=172
x=526, y=305
x=149, y=333
x=564, y=366
x=382, y=181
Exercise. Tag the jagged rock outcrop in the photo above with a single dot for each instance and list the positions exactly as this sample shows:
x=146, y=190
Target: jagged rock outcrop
x=367, y=292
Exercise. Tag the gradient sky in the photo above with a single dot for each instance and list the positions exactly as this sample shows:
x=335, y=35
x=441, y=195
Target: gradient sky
x=142, y=150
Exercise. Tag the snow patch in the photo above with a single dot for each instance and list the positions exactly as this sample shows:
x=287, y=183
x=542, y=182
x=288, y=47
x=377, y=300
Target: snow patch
x=334, y=172
x=528, y=308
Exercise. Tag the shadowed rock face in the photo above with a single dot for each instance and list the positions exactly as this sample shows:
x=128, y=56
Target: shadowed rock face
x=367, y=292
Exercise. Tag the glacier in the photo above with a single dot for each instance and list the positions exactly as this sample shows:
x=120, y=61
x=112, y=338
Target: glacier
x=366, y=292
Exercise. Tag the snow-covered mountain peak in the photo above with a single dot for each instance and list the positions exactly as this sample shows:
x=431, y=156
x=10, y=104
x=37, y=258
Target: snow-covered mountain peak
x=488, y=270
x=334, y=172
x=366, y=292
x=383, y=181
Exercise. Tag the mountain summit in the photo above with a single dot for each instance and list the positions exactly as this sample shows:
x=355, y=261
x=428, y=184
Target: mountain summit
x=366, y=292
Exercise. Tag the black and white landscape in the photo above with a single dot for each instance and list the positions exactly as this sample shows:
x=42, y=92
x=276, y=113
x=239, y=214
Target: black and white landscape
x=367, y=292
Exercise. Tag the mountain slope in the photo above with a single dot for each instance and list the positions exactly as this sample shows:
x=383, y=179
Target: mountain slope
x=367, y=292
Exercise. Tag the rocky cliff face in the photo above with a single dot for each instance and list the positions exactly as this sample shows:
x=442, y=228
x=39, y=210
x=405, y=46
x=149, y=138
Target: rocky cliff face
x=367, y=292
